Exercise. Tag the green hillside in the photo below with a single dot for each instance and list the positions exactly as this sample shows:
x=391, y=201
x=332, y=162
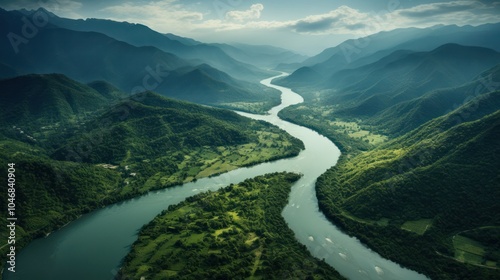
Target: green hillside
x=38, y=100
x=118, y=151
x=410, y=197
x=235, y=233
x=165, y=142
x=406, y=116
x=50, y=193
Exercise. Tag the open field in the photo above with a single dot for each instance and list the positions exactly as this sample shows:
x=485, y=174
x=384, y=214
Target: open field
x=419, y=226
x=468, y=250
x=354, y=130
x=478, y=247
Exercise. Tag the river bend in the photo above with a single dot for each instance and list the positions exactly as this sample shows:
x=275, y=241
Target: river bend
x=93, y=246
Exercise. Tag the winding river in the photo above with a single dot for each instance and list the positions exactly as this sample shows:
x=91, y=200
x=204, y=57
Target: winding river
x=93, y=246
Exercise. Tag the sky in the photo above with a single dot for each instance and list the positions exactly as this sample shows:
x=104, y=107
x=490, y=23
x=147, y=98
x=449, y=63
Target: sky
x=306, y=27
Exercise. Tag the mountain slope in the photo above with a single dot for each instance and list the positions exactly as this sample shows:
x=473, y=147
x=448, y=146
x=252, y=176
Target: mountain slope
x=444, y=174
x=140, y=36
x=149, y=127
x=405, y=116
x=358, y=52
x=35, y=100
x=90, y=56
x=207, y=85
x=375, y=86
x=267, y=57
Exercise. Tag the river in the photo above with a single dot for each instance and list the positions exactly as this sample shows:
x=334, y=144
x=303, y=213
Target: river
x=93, y=246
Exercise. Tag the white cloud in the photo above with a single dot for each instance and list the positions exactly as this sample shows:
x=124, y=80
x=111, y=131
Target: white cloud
x=171, y=16
x=163, y=15
x=250, y=14
x=341, y=20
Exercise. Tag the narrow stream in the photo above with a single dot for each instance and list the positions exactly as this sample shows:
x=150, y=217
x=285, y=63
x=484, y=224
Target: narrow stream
x=93, y=246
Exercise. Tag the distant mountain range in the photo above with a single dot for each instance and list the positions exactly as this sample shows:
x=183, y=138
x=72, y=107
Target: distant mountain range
x=354, y=53
x=398, y=77
x=134, y=58
x=227, y=58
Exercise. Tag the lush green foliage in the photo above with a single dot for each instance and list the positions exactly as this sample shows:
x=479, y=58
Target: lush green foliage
x=446, y=171
x=313, y=116
x=112, y=152
x=157, y=138
x=33, y=101
x=235, y=233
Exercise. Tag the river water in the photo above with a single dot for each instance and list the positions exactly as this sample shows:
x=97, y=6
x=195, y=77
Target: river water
x=92, y=247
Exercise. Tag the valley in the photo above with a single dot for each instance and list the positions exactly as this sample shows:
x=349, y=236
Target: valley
x=121, y=222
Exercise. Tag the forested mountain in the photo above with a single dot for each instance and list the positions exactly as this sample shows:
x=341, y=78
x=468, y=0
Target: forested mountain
x=444, y=175
x=37, y=100
x=361, y=51
x=267, y=57
x=371, y=88
x=79, y=147
x=408, y=115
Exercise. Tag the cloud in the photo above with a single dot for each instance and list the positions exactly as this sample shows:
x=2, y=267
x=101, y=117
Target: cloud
x=250, y=14
x=340, y=20
x=346, y=20
x=159, y=15
x=435, y=9
x=314, y=25
x=453, y=12
x=63, y=8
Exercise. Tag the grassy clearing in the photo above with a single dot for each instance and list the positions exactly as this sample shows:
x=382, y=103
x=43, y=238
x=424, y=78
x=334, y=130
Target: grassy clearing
x=468, y=250
x=348, y=134
x=354, y=130
x=419, y=226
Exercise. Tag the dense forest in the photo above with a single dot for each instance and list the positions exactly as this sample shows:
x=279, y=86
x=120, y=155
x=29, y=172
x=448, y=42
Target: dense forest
x=234, y=233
